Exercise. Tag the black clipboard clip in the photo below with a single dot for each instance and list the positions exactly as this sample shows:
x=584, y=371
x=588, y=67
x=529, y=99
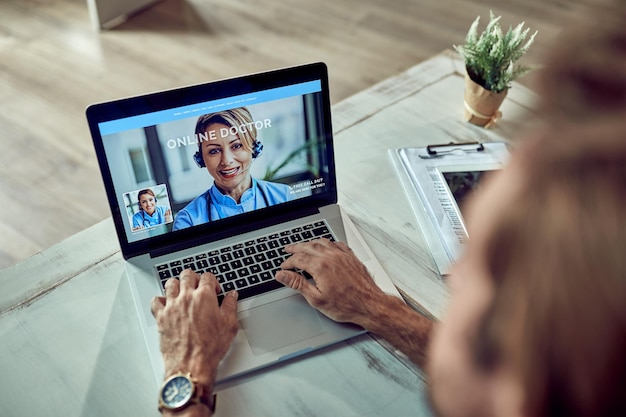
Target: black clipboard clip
x=435, y=151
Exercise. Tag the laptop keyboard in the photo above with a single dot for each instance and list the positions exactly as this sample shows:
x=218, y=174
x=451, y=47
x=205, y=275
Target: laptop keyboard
x=249, y=266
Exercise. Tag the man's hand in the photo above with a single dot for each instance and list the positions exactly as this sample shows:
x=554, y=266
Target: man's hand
x=342, y=288
x=345, y=292
x=195, y=331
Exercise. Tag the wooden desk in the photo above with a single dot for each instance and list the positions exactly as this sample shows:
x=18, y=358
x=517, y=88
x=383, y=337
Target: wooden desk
x=71, y=342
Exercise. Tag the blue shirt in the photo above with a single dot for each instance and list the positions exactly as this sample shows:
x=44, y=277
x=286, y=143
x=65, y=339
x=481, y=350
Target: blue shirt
x=141, y=219
x=261, y=194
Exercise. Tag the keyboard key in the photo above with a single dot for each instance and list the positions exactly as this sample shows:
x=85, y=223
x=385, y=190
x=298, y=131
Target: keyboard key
x=248, y=266
x=321, y=231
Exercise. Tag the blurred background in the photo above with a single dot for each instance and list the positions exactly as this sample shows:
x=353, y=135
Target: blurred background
x=54, y=63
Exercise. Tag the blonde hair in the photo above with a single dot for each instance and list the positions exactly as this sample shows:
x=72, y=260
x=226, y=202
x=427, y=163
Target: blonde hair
x=232, y=118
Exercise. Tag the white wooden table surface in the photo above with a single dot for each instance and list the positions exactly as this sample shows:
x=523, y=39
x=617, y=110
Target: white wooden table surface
x=70, y=338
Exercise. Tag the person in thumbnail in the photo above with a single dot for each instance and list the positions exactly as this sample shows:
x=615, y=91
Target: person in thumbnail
x=150, y=214
x=227, y=148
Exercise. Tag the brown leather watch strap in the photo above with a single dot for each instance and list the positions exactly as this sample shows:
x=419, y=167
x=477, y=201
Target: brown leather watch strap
x=204, y=395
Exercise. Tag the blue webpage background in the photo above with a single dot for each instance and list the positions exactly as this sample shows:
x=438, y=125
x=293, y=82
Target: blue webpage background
x=154, y=118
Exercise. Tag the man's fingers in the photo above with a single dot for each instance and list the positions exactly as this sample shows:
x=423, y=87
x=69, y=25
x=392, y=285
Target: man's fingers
x=188, y=280
x=157, y=305
x=312, y=247
x=296, y=281
x=229, y=304
x=209, y=280
x=297, y=261
x=172, y=288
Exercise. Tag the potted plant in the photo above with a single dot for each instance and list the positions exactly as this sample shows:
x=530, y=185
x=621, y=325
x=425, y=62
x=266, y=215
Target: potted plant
x=491, y=63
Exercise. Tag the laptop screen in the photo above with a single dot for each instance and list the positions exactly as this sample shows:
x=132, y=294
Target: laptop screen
x=177, y=164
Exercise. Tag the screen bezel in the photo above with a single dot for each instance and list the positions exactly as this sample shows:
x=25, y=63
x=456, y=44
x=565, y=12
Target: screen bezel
x=190, y=95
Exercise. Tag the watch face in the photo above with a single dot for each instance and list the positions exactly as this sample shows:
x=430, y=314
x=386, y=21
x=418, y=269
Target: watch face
x=177, y=391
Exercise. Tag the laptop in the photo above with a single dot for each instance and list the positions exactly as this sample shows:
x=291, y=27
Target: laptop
x=220, y=177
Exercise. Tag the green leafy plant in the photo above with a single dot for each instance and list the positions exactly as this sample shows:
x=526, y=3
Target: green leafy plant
x=491, y=58
x=271, y=172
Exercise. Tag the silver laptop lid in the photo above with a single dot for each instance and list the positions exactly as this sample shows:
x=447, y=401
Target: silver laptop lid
x=174, y=163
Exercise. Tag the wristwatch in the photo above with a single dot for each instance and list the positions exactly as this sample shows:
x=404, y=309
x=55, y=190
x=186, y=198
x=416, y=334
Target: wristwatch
x=180, y=390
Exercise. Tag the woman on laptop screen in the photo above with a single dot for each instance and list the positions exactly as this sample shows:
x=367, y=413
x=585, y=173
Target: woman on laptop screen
x=227, y=147
x=150, y=213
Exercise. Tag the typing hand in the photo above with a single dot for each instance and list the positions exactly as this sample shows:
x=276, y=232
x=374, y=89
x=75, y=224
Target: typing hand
x=342, y=288
x=195, y=332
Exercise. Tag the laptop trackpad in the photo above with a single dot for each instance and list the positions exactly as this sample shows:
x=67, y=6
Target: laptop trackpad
x=280, y=323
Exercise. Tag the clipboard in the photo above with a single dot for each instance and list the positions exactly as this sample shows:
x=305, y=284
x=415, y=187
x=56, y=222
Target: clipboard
x=436, y=180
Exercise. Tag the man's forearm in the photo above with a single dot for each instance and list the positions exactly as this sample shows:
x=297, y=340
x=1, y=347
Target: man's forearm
x=407, y=330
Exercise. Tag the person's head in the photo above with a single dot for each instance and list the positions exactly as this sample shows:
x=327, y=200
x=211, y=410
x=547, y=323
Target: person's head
x=227, y=146
x=536, y=323
x=147, y=201
x=537, y=318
